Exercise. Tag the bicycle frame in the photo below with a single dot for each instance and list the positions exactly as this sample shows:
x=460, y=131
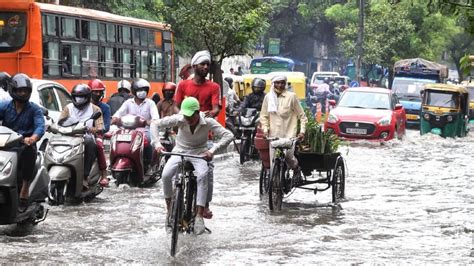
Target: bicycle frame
x=183, y=205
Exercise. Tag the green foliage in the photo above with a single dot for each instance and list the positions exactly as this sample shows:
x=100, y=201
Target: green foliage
x=318, y=141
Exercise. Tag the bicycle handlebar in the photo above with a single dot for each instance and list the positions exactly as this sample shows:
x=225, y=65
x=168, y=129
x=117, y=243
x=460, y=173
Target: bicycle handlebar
x=184, y=155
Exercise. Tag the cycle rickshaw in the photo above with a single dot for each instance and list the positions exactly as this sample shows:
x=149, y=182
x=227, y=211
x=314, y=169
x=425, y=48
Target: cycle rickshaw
x=319, y=172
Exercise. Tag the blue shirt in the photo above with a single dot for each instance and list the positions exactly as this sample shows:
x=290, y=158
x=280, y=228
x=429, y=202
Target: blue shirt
x=105, y=108
x=30, y=121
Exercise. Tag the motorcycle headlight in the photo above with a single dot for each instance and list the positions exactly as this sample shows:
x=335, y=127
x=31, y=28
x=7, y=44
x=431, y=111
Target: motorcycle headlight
x=137, y=142
x=246, y=121
x=385, y=121
x=7, y=170
x=61, y=153
x=332, y=119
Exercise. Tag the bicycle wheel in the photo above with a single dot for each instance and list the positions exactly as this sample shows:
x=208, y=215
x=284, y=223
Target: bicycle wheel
x=275, y=192
x=243, y=150
x=264, y=179
x=190, y=200
x=338, y=181
x=176, y=208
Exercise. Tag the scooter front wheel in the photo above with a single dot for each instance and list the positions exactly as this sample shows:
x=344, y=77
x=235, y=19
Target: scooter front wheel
x=121, y=177
x=56, y=191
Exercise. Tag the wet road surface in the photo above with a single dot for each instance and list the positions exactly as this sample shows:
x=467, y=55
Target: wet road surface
x=406, y=201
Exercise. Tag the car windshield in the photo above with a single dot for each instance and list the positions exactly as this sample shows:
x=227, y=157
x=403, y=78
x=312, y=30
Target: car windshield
x=442, y=99
x=12, y=31
x=409, y=87
x=366, y=100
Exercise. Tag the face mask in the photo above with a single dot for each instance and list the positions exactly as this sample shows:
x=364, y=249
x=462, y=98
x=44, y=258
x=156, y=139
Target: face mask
x=141, y=95
x=80, y=100
x=168, y=95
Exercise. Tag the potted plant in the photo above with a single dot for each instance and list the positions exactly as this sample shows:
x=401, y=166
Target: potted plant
x=318, y=151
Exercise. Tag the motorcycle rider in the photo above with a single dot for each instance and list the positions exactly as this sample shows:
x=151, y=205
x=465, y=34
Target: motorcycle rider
x=98, y=91
x=140, y=105
x=80, y=110
x=4, y=80
x=192, y=138
x=255, y=99
x=26, y=118
x=122, y=94
x=323, y=93
x=167, y=106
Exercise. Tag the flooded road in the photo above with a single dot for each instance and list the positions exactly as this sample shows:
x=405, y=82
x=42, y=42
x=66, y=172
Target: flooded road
x=406, y=202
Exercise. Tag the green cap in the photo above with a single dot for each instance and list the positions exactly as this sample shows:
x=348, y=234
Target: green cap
x=189, y=106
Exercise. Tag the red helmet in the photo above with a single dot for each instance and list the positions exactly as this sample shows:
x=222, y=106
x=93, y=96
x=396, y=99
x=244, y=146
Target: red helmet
x=96, y=85
x=169, y=86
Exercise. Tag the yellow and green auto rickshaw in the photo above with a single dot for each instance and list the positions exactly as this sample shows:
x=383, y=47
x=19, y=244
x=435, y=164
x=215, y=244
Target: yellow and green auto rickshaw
x=470, y=89
x=444, y=110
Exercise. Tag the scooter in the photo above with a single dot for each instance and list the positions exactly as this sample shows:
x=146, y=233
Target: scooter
x=126, y=153
x=248, y=126
x=10, y=184
x=64, y=159
x=168, y=141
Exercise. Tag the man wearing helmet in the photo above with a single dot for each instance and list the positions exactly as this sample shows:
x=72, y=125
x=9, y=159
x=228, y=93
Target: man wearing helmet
x=192, y=137
x=140, y=105
x=80, y=110
x=255, y=99
x=167, y=106
x=123, y=94
x=98, y=91
x=26, y=118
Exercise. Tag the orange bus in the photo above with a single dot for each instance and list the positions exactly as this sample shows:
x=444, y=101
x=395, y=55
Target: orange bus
x=71, y=45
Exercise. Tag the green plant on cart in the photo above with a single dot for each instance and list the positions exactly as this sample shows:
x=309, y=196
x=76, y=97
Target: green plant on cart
x=318, y=141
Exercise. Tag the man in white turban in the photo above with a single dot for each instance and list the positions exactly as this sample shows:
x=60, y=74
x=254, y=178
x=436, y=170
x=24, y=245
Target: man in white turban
x=281, y=110
x=208, y=94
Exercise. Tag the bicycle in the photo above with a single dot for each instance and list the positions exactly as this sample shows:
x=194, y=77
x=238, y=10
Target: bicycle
x=183, y=202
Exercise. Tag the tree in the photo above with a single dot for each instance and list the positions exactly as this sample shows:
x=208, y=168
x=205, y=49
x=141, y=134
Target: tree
x=225, y=28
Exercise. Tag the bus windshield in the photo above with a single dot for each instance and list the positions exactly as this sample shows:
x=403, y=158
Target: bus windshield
x=266, y=65
x=12, y=31
x=409, y=87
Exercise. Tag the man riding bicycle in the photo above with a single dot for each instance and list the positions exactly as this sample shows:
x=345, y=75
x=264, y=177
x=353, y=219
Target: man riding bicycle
x=193, y=128
x=279, y=116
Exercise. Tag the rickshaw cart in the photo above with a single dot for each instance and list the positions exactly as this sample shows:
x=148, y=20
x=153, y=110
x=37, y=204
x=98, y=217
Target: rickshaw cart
x=313, y=166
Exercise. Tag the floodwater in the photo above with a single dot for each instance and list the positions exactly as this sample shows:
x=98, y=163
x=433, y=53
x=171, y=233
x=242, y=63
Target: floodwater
x=407, y=201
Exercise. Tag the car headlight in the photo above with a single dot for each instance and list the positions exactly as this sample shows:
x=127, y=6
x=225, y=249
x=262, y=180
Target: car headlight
x=332, y=119
x=385, y=121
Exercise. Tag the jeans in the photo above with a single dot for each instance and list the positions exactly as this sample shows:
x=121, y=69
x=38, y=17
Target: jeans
x=90, y=154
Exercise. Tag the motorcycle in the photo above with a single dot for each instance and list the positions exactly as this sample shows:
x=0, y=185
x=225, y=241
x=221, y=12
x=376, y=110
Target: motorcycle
x=10, y=183
x=248, y=126
x=64, y=159
x=126, y=153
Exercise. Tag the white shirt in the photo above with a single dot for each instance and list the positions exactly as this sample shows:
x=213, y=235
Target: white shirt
x=147, y=109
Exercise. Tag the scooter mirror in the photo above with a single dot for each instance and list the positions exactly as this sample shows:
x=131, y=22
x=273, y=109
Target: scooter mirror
x=96, y=115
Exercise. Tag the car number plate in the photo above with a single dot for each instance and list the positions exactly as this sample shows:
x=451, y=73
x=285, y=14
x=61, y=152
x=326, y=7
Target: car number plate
x=413, y=117
x=124, y=137
x=358, y=131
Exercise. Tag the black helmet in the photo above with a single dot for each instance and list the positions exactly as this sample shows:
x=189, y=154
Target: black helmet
x=81, y=95
x=229, y=81
x=5, y=80
x=140, y=84
x=258, y=85
x=20, y=81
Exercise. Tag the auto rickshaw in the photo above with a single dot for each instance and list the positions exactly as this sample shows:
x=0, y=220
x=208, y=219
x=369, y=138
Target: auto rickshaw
x=470, y=89
x=444, y=110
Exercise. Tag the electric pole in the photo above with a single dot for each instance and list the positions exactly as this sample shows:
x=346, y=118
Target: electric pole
x=360, y=40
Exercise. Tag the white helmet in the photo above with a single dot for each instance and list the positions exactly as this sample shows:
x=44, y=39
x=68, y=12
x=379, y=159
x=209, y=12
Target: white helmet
x=124, y=84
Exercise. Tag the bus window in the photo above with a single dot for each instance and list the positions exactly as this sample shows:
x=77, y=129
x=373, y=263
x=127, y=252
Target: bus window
x=109, y=62
x=90, y=56
x=89, y=30
x=110, y=33
x=136, y=36
x=151, y=39
x=12, y=31
x=159, y=66
x=144, y=37
x=102, y=32
x=137, y=64
x=69, y=29
x=51, y=25
x=71, y=63
x=126, y=35
x=51, y=59
x=126, y=61
x=166, y=74
x=144, y=64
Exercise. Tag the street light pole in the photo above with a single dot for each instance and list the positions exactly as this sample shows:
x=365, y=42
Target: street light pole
x=360, y=39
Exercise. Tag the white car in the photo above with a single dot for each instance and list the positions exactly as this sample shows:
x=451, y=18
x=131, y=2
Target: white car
x=52, y=96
